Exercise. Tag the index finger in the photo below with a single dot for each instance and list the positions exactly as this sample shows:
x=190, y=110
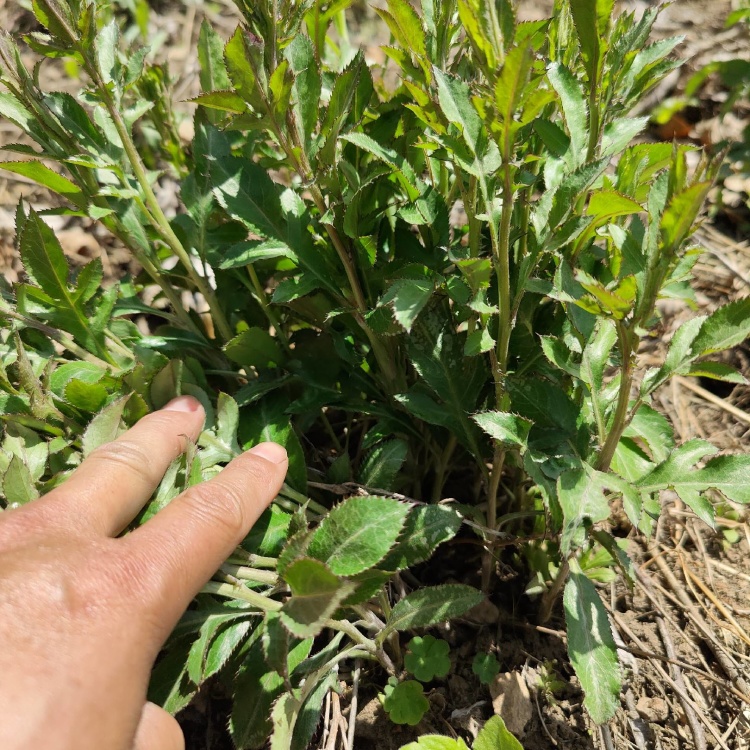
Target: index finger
x=186, y=542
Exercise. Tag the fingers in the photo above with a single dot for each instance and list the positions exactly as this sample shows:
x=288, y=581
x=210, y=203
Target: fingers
x=186, y=542
x=109, y=488
x=158, y=730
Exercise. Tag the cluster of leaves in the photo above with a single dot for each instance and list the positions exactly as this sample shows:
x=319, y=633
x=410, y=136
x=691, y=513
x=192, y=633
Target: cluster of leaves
x=444, y=282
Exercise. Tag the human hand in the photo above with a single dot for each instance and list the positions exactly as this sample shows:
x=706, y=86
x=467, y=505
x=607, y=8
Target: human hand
x=83, y=614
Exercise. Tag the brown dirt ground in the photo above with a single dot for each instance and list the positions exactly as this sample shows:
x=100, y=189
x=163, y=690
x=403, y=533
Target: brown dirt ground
x=684, y=628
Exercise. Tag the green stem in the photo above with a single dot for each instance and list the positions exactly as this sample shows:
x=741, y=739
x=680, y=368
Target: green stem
x=245, y=573
x=231, y=591
x=551, y=595
x=156, y=215
x=260, y=295
x=620, y=420
x=61, y=338
x=442, y=465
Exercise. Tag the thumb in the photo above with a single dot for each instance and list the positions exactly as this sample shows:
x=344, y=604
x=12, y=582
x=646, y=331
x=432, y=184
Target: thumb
x=158, y=730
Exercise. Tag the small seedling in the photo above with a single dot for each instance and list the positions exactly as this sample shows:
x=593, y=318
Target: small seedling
x=405, y=702
x=485, y=667
x=427, y=658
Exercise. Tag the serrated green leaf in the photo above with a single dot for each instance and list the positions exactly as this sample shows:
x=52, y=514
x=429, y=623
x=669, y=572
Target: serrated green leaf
x=717, y=371
x=509, y=429
x=213, y=72
x=255, y=690
x=269, y=533
x=316, y=594
x=358, y=533
x=275, y=640
x=382, y=465
x=607, y=204
x=726, y=327
x=454, y=97
x=246, y=191
x=431, y=605
x=405, y=26
x=678, y=220
x=436, y=352
x=48, y=178
x=86, y=396
x=225, y=101
x=574, y=108
x=407, y=298
x=591, y=647
x=619, y=133
x=729, y=474
x=427, y=527
x=654, y=428
x=591, y=19
x=307, y=83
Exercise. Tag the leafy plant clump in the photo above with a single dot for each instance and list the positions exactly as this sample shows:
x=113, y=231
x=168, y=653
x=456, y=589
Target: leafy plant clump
x=426, y=278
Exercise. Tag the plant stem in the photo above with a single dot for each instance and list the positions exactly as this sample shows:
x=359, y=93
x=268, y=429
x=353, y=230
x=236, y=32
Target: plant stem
x=260, y=295
x=232, y=591
x=442, y=465
x=552, y=593
x=245, y=573
x=498, y=460
x=156, y=215
x=620, y=420
x=61, y=338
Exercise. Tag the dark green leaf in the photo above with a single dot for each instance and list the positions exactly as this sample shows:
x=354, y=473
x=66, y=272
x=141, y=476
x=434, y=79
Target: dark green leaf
x=431, y=605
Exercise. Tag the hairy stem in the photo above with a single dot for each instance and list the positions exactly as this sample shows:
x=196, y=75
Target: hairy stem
x=155, y=213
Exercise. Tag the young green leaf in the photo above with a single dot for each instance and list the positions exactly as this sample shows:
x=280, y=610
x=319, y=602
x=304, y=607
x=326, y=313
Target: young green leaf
x=486, y=667
x=406, y=703
x=427, y=657
x=316, y=594
x=494, y=735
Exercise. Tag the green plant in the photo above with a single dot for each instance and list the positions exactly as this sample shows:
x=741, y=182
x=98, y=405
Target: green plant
x=486, y=667
x=427, y=658
x=405, y=702
x=494, y=735
x=443, y=286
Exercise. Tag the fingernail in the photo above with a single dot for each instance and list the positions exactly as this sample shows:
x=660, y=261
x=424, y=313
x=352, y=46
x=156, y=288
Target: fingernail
x=272, y=452
x=184, y=404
